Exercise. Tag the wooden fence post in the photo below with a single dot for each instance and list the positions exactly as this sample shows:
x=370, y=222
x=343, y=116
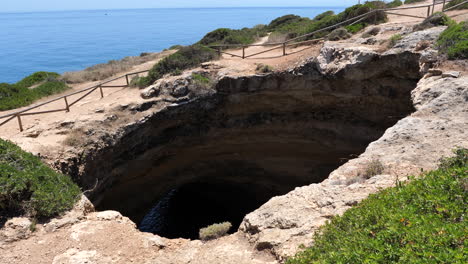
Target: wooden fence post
x=219, y=51
x=443, y=6
x=19, y=122
x=284, y=48
x=126, y=78
x=433, y=6
x=243, y=52
x=102, y=93
x=428, y=11
x=66, y=105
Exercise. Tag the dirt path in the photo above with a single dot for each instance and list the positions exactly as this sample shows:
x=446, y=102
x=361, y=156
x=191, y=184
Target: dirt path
x=94, y=107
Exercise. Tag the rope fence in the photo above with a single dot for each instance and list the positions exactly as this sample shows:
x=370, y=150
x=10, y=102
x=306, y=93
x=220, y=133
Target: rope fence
x=219, y=48
x=285, y=44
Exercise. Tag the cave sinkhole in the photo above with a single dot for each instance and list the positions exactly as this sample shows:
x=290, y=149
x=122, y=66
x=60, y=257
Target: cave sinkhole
x=183, y=211
x=220, y=158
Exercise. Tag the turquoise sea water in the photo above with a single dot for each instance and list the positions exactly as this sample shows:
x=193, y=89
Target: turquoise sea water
x=72, y=40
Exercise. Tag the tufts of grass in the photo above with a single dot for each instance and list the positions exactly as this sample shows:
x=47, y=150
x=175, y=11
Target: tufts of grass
x=454, y=41
x=394, y=40
x=375, y=167
x=421, y=221
x=202, y=81
x=105, y=70
x=353, y=29
x=214, y=231
x=456, y=2
x=30, y=89
x=264, y=68
x=29, y=187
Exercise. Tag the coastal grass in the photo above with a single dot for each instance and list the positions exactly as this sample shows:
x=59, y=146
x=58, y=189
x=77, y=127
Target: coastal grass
x=454, y=41
x=185, y=58
x=394, y=40
x=419, y=221
x=103, y=71
x=30, y=89
x=214, y=231
x=456, y=2
x=413, y=1
x=27, y=186
x=280, y=29
x=290, y=26
x=395, y=3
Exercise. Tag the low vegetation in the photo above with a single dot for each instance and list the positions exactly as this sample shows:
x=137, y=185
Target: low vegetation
x=454, y=41
x=30, y=89
x=105, y=70
x=185, y=58
x=456, y=2
x=214, y=231
x=264, y=68
x=29, y=187
x=202, y=81
x=339, y=34
x=234, y=36
x=394, y=40
x=375, y=167
x=420, y=221
x=395, y=3
x=413, y=1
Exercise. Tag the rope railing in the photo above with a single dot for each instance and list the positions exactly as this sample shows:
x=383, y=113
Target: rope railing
x=351, y=21
x=279, y=45
x=87, y=91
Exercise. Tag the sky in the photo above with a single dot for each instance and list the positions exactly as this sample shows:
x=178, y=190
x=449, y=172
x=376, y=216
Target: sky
x=56, y=5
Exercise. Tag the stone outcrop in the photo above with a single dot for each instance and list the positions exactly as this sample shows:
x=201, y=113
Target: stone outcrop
x=260, y=134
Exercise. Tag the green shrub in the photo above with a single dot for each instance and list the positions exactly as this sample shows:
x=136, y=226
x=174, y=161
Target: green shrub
x=413, y=1
x=421, y=221
x=214, y=231
x=200, y=78
x=29, y=186
x=456, y=2
x=323, y=15
x=394, y=40
x=233, y=36
x=395, y=3
x=24, y=93
x=185, y=58
x=37, y=78
x=454, y=41
x=353, y=29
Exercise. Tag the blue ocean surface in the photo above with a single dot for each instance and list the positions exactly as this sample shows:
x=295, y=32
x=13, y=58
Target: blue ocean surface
x=73, y=40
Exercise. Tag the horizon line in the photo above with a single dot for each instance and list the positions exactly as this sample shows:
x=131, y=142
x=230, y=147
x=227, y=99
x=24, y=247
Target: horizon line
x=140, y=8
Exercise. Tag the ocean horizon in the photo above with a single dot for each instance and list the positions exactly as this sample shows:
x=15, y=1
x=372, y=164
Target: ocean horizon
x=62, y=41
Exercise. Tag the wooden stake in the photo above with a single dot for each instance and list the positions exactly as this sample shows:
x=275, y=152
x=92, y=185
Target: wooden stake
x=67, y=107
x=20, y=123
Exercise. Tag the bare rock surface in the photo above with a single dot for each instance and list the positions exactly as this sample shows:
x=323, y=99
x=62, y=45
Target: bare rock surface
x=276, y=230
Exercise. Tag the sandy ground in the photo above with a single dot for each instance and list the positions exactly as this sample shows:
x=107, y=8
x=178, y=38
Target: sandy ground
x=93, y=107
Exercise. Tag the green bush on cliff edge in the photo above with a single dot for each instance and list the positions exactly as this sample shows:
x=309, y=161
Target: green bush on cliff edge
x=421, y=221
x=28, y=186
